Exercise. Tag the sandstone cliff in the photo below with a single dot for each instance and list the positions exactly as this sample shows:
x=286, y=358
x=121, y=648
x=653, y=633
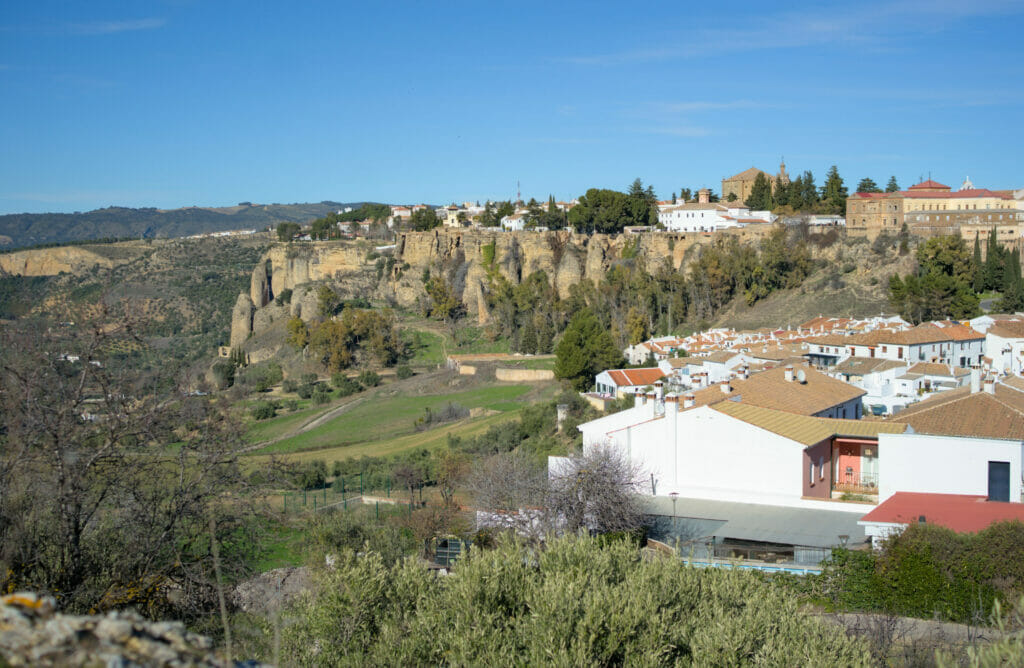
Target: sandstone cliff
x=53, y=261
x=466, y=257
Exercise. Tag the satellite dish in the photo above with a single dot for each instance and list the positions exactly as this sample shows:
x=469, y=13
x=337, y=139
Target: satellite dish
x=801, y=377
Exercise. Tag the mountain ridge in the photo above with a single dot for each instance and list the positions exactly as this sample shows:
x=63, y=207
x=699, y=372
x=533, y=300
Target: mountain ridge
x=18, y=230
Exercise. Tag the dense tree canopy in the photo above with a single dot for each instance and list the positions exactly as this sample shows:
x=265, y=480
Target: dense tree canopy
x=833, y=193
x=424, y=219
x=586, y=348
x=609, y=211
x=868, y=185
x=941, y=287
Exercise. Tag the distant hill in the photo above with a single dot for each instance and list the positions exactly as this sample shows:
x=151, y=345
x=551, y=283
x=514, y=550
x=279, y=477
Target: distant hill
x=30, y=229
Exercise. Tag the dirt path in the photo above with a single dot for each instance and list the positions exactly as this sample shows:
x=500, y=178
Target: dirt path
x=312, y=423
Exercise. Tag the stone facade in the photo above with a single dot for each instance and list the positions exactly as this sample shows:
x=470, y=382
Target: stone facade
x=930, y=209
x=741, y=184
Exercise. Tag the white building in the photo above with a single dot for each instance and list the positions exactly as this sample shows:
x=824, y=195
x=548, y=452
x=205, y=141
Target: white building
x=617, y=383
x=709, y=217
x=1004, y=345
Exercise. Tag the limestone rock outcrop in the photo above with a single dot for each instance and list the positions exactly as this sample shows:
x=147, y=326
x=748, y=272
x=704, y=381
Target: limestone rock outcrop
x=241, y=320
x=468, y=258
x=32, y=633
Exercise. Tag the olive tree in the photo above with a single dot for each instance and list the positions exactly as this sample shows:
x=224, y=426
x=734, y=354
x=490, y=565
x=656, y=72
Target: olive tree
x=109, y=478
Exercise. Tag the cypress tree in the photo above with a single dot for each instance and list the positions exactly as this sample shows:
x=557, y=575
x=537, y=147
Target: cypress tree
x=892, y=186
x=993, y=264
x=978, y=269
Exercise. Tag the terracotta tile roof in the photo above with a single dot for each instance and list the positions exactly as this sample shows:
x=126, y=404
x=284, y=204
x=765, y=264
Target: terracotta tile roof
x=928, y=185
x=1008, y=329
x=935, y=369
x=861, y=365
x=632, y=377
x=959, y=512
x=721, y=357
x=830, y=340
x=960, y=413
x=804, y=429
x=770, y=389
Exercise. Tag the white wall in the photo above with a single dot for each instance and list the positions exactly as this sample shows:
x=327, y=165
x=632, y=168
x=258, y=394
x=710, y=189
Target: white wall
x=709, y=455
x=943, y=464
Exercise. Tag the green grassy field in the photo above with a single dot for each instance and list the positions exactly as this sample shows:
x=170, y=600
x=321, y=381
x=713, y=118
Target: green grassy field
x=428, y=347
x=530, y=363
x=434, y=438
x=380, y=419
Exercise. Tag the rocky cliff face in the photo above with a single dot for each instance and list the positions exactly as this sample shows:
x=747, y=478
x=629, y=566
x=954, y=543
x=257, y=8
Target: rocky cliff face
x=53, y=261
x=466, y=257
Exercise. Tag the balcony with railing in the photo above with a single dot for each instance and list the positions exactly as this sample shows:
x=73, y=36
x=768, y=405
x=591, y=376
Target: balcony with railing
x=856, y=483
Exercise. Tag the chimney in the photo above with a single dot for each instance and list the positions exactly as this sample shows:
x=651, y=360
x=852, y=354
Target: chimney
x=744, y=372
x=789, y=373
x=703, y=196
x=659, y=390
x=975, y=381
x=639, y=398
x=689, y=401
x=672, y=412
x=990, y=385
x=726, y=387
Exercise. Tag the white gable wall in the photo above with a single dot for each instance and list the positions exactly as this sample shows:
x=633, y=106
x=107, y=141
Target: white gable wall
x=709, y=455
x=943, y=464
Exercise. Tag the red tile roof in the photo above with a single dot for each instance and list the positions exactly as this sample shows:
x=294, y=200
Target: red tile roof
x=929, y=185
x=959, y=512
x=631, y=377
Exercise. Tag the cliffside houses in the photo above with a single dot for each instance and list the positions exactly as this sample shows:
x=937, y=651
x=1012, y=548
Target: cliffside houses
x=707, y=216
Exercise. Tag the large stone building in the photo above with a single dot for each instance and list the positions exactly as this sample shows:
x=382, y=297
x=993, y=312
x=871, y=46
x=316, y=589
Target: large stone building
x=930, y=208
x=741, y=184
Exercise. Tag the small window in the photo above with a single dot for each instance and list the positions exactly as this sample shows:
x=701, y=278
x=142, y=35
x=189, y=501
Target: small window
x=821, y=468
x=811, y=474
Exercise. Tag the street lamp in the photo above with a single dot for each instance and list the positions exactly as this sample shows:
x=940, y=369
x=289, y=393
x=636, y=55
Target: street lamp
x=843, y=538
x=675, y=497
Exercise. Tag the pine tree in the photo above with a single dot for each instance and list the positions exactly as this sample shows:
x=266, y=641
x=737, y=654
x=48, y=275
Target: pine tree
x=892, y=186
x=833, y=193
x=868, y=185
x=808, y=192
x=760, y=194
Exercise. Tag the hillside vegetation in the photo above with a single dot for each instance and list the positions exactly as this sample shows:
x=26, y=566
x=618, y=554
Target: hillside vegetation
x=30, y=229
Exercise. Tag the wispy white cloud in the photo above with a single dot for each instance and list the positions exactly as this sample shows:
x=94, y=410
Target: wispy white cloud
x=873, y=25
x=112, y=27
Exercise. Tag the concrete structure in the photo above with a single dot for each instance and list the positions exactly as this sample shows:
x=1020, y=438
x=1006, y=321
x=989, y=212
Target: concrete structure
x=877, y=377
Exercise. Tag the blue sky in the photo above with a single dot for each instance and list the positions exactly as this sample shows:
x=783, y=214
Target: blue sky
x=210, y=103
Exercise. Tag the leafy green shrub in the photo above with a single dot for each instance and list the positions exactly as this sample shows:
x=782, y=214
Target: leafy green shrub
x=292, y=405
x=285, y=297
x=263, y=410
x=369, y=379
x=289, y=386
x=345, y=385
x=223, y=374
x=321, y=396
x=573, y=602
x=305, y=391
x=403, y=371
x=261, y=377
x=312, y=475
x=309, y=378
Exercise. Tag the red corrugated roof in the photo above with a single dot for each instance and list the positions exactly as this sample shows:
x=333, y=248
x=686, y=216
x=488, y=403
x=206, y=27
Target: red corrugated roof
x=959, y=512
